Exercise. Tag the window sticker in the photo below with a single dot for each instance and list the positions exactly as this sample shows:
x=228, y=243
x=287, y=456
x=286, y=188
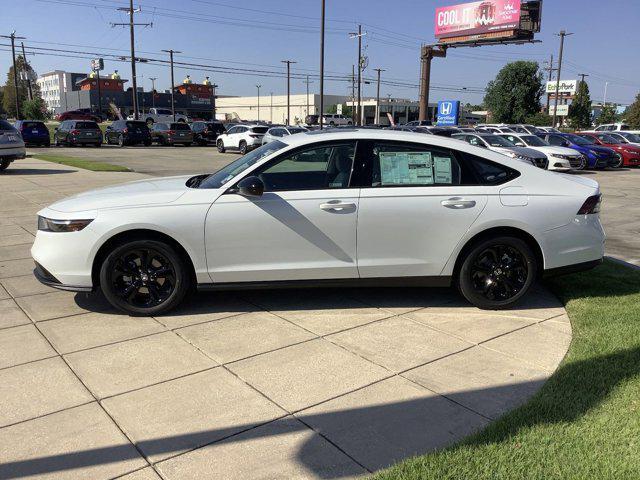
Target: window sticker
x=406, y=168
x=442, y=169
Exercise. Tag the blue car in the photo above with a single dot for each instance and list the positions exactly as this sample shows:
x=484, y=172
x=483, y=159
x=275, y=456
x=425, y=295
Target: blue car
x=597, y=157
x=34, y=132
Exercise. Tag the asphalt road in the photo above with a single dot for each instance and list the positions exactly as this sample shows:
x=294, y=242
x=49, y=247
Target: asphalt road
x=621, y=188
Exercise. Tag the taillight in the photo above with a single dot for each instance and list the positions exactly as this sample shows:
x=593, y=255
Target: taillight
x=591, y=205
x=171, y=132
x=125, y=130
x=205, y=131
x=254, y=136
x=75, y=132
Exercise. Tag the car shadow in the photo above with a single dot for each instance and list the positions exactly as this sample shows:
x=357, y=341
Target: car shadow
x=34, y=171
x=380, y=434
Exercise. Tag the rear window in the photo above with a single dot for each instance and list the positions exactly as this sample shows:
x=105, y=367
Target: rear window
x=87, y=126
x=4, y=125
x=260, y=129
x=180, y=126
x=141, y=125
x=34, y=125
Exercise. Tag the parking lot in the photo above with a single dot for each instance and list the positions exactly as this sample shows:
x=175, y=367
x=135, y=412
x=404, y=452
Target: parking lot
x=272, y=384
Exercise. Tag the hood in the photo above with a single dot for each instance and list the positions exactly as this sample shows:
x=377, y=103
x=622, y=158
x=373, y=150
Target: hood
x=601, y=150
x=559, y=150
x=528, y=152
x=142, y=192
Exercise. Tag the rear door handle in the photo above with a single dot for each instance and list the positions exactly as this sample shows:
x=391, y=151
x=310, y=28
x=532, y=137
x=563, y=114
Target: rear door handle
x=458, y=203
x=337, y=206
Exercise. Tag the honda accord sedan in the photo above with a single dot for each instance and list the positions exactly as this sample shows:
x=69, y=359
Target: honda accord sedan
x=335, y=207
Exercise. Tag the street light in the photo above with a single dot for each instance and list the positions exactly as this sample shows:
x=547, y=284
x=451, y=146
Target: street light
x=258, y=87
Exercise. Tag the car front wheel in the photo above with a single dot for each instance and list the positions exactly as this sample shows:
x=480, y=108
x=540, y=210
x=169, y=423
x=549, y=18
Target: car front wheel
x=243, y=147
x=497, y=272
x=144, y=277
x=220, y=145
x=4, y=164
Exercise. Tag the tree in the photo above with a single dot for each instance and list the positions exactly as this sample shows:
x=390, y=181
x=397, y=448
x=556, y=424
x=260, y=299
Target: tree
x=9, y=98
x=35, y=109
x=515, y=93
x=632, y=113
x=580, y=108
x=607, y=115
x=539, y=119
x=1, y=100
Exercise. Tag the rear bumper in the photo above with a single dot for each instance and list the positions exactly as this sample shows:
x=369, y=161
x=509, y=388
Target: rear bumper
x=14, y=153
x=575, y=268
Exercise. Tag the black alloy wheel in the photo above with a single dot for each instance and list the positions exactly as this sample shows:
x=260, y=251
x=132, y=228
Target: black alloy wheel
x=619, y=160
x=243, y=147
x=220, y=146
x=144, y=277
x=497, y=272
x=4, y=164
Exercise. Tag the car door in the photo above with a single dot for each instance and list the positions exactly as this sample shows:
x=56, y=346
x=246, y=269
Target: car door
x=302, y=228
x=415, y=205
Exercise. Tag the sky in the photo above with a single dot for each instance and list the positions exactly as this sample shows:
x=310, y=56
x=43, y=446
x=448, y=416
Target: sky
x=241, y=43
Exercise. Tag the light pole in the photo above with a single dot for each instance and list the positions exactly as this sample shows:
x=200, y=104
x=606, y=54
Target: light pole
x=307, y=82
x=153, y=91
x=604, y=100
x=379, y=70
x=322, y=64
x=359, y=36
x=258, y=87
x=562, y=34
x=173, y=105
x=288, y=62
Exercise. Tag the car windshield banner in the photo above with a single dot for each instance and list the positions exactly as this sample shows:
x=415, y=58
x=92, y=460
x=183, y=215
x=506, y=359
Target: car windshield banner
x=477, y=17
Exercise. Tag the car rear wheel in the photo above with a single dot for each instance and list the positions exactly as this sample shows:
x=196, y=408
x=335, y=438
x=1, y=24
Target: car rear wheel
x=120, y=141
x=4, y=164
x=497, y=272
x=619, y=160
x=144, y=277
x=243, y=147
x=220, y=145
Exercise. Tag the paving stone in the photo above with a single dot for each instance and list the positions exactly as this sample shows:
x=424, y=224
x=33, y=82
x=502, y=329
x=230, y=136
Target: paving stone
x=11, y=315
x=58, y=304
x=561, y=324
x=138, y=363
x=37, y=388
x=319, y=311
x=282, y=449
x=189, y=412
x=242, y=336
x=398, y=343
x=10, y=240
x=403, y=300
x=303, y=375
x=206, y=307
x=483, y=380
x=391, y=420
x=3, y=293
x=21, y=345
x=143, y=474
x=13, y=268
x=79, y=443
x=25, y=285
x=10, y=229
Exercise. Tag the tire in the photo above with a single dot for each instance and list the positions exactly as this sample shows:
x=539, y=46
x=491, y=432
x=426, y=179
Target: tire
x=120, y=141
x=497, y=272
x=128, y=281
x=147, y=143
x=4, y=164
x=47, y=144
x=620, y=163
x=243, y=147
x=98, y=145
x=220, y=145
x=56, y=142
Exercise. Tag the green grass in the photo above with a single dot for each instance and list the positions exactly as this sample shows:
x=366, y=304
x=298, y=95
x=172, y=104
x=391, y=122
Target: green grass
x=81, y=163
x=585, y=421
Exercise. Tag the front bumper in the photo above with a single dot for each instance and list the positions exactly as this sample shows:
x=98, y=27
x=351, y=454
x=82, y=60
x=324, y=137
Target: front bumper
x=46, y=278
x=13, y=153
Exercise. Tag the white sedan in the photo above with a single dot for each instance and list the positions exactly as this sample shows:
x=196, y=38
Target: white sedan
x=561, y=159
x=339, y=207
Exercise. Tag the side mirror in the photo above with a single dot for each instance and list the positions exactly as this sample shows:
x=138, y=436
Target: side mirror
x=251, y=187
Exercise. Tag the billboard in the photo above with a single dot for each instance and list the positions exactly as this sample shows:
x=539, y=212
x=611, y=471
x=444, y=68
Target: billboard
x=566, y=86
x=563, y=110
x=489, y=16
x=448, y=112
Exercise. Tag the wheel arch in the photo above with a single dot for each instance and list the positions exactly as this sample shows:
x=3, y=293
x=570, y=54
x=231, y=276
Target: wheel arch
x=138, y=234
x=500, y=231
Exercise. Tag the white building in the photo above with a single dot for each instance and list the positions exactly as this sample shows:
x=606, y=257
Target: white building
x=55, y=87
x=273, y=108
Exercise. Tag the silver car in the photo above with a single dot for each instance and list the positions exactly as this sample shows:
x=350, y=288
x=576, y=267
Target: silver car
x=11, y=145
x=278, y=132
x=504, y=146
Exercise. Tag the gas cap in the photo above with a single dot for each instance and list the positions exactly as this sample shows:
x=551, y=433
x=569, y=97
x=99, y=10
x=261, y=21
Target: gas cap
x=514, y=197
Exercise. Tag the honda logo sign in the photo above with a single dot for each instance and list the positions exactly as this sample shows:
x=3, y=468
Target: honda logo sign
x=448, y=112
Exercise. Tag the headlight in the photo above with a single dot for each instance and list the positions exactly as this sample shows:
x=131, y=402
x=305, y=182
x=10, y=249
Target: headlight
x=52, y=225
x=559, y=155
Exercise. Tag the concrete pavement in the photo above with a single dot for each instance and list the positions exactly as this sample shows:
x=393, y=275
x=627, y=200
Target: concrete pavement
x=271, y=384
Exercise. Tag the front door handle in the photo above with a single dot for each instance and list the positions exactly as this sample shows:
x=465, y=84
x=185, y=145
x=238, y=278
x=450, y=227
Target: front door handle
x=458, y=203
x=337, y=206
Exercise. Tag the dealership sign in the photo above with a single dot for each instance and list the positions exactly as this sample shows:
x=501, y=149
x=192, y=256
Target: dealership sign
x=563, y=110
x=448, y=112
x=566, y=86
x=477, y=18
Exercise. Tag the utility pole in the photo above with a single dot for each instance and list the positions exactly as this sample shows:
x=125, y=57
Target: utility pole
x=288, y=62
x=359, y=36
x=427, y=53
x=353, y=94
x=132, y=25
x=604, y=100
x=214, y=86
x=173, y=104
x=26, y=72
x=271, y=109
x=258, y=87
x=153, y=91
x=562, y=34
x=550, y=69
x=15, y=70
x=379, y=70
x=322, y=64
x=307, y=82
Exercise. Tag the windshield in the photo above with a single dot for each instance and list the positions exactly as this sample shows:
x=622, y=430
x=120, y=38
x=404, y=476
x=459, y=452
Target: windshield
x=578, y=140
x=533, y=141
x=260, y=129
x=608, y=139
x=87, y=126
x=497, y=141
x=296, y=130
x=631, y=137
x=225, y=174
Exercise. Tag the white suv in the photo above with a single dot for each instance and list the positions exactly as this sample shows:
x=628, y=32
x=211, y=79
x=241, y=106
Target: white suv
x=615, y=127
x=241, y=138
x=334, y=119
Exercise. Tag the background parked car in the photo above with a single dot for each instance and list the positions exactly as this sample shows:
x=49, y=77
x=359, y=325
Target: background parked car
x=77, y=115
x=597, y=157
x=160, y=115
x=615, y=127
x=504, y=146
x=311, y=119
x=242, y=138
x=335, y=119
x=11, y=145
x=78, y=132
x=278, y=132
x=629, y=155
x=418, y=123
x=172, y=134
x=206, y=132
x=34, y=132
x=626, y=137
x=560, y=158
x=127, y=132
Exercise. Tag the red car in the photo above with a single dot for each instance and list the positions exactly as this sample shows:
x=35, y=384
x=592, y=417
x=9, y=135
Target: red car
x=77, y=115
x=630, y=153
